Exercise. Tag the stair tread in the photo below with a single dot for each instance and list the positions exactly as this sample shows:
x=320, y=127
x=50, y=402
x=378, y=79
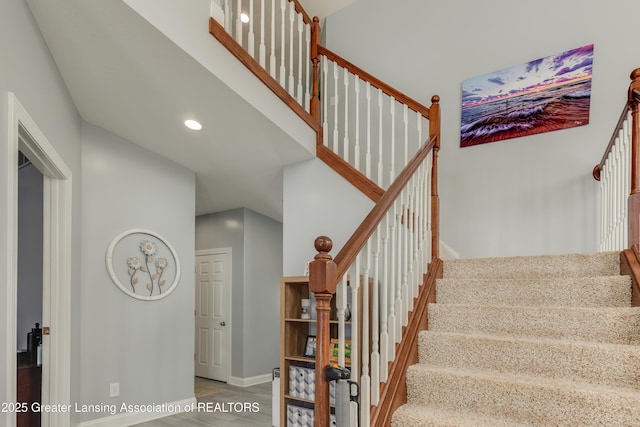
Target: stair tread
x=410, y=415
x=607, y=324
x=542, y=382
x=569, y=265
x=597, y=291
x=519, y=398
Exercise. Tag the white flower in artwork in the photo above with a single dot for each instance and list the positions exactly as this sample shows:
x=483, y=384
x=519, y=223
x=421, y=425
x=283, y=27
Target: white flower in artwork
x=148, y=247
x=134, y=263
x=161, y=263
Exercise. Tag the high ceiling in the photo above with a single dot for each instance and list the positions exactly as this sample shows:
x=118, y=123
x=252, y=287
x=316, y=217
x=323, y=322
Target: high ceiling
x=126, y=76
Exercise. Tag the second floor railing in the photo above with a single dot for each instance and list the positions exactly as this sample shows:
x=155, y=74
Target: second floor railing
x=369, y=129
x=619, y=176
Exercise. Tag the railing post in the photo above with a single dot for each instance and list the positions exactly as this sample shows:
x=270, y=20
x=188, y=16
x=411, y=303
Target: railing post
x=314, y=109
x=634, y=196
x=434, y=132
x=322, y=282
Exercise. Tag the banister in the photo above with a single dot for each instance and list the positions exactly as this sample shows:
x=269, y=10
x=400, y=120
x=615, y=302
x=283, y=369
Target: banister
x=356, y=242
x=633, y=98
x=363, y=75
x=598, y=168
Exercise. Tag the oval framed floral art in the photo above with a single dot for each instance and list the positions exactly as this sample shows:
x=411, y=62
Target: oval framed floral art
x=143, y=264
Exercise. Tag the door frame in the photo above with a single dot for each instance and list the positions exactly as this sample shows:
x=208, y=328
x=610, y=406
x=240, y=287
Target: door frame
x=218, y=251
x=24, y=135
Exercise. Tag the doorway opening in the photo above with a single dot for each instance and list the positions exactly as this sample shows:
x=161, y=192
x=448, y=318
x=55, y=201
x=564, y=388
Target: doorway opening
x=24, y=136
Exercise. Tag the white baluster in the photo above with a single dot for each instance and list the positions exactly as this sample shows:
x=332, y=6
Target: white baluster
x=301, y=60
x=283, y=54
x=398, y=279
x=375, y=320
x=405, y=120
x=368, y=155
x=384, y=302
x=336, y=148
x=292, y=17
x=263, y=47
x=341, y=305
x=345, y=153
x=405, y=260
x=419, y=130
x=325, y=96
x=227, y=17
x=239, y=24
x=356, y=148
x=272, y=54
x=365, y=380
x=392, y=168
x=251, y=36
x=380, y=155
x=307, y=56
x=355, y=320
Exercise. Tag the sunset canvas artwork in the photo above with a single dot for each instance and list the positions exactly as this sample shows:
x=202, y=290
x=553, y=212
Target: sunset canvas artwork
x=547, y=94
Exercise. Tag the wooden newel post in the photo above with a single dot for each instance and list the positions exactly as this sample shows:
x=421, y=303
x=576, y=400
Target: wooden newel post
x=314, y=108
x=634, y=196
x=322, y=282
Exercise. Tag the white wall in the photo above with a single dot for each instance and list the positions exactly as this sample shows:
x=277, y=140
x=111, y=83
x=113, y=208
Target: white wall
x=146, y=346
x=529, y=195
x=317, y=202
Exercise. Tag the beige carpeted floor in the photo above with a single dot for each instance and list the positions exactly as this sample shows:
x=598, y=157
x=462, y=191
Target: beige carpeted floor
x=535, y=341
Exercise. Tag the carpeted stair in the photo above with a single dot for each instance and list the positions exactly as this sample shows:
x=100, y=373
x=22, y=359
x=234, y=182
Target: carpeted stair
x=528, y=341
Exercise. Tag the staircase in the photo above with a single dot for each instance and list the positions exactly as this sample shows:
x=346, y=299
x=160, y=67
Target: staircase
x=546, y=340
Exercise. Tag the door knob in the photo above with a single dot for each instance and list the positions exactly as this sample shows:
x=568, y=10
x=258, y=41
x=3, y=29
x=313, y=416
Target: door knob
x=223, y=323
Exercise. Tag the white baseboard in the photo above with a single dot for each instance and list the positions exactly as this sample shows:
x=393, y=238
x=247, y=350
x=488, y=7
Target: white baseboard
x=124, y=419
x=248, y=382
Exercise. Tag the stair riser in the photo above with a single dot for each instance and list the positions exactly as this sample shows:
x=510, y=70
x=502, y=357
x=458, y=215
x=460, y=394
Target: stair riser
x=614, y=326
x=617, y=366
x=577, y=265
x=610, y=291
x=523, y=401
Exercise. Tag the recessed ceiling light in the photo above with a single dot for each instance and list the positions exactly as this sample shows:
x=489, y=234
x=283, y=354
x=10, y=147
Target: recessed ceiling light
x=192, y=124
x=244, y=17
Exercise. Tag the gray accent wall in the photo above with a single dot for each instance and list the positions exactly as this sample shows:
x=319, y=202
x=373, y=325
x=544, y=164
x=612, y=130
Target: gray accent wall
x=531, y=195
x=256, y=243
x=146, y=346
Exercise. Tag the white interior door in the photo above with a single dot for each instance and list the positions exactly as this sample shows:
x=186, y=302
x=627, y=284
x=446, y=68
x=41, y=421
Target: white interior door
x=213, y=309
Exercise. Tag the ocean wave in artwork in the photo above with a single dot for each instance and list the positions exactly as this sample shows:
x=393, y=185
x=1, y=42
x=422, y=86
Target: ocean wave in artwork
x=557, y=108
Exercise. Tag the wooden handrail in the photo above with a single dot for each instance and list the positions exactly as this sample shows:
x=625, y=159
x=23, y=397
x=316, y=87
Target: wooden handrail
x=633, y=99
x=359, y=238
x=348, y=172
x=598, y=168
x=363, y=75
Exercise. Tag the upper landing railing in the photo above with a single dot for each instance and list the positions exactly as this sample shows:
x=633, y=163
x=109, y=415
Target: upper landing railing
x=619, y=176
x=367, y=130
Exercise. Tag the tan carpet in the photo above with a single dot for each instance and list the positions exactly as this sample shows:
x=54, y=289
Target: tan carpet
x=531, y=341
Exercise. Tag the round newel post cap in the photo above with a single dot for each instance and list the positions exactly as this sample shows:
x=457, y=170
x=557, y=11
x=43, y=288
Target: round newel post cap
x=322, y=270
x=635, y=74
x=316, y=19
x=435, y=99
x=323, y=245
